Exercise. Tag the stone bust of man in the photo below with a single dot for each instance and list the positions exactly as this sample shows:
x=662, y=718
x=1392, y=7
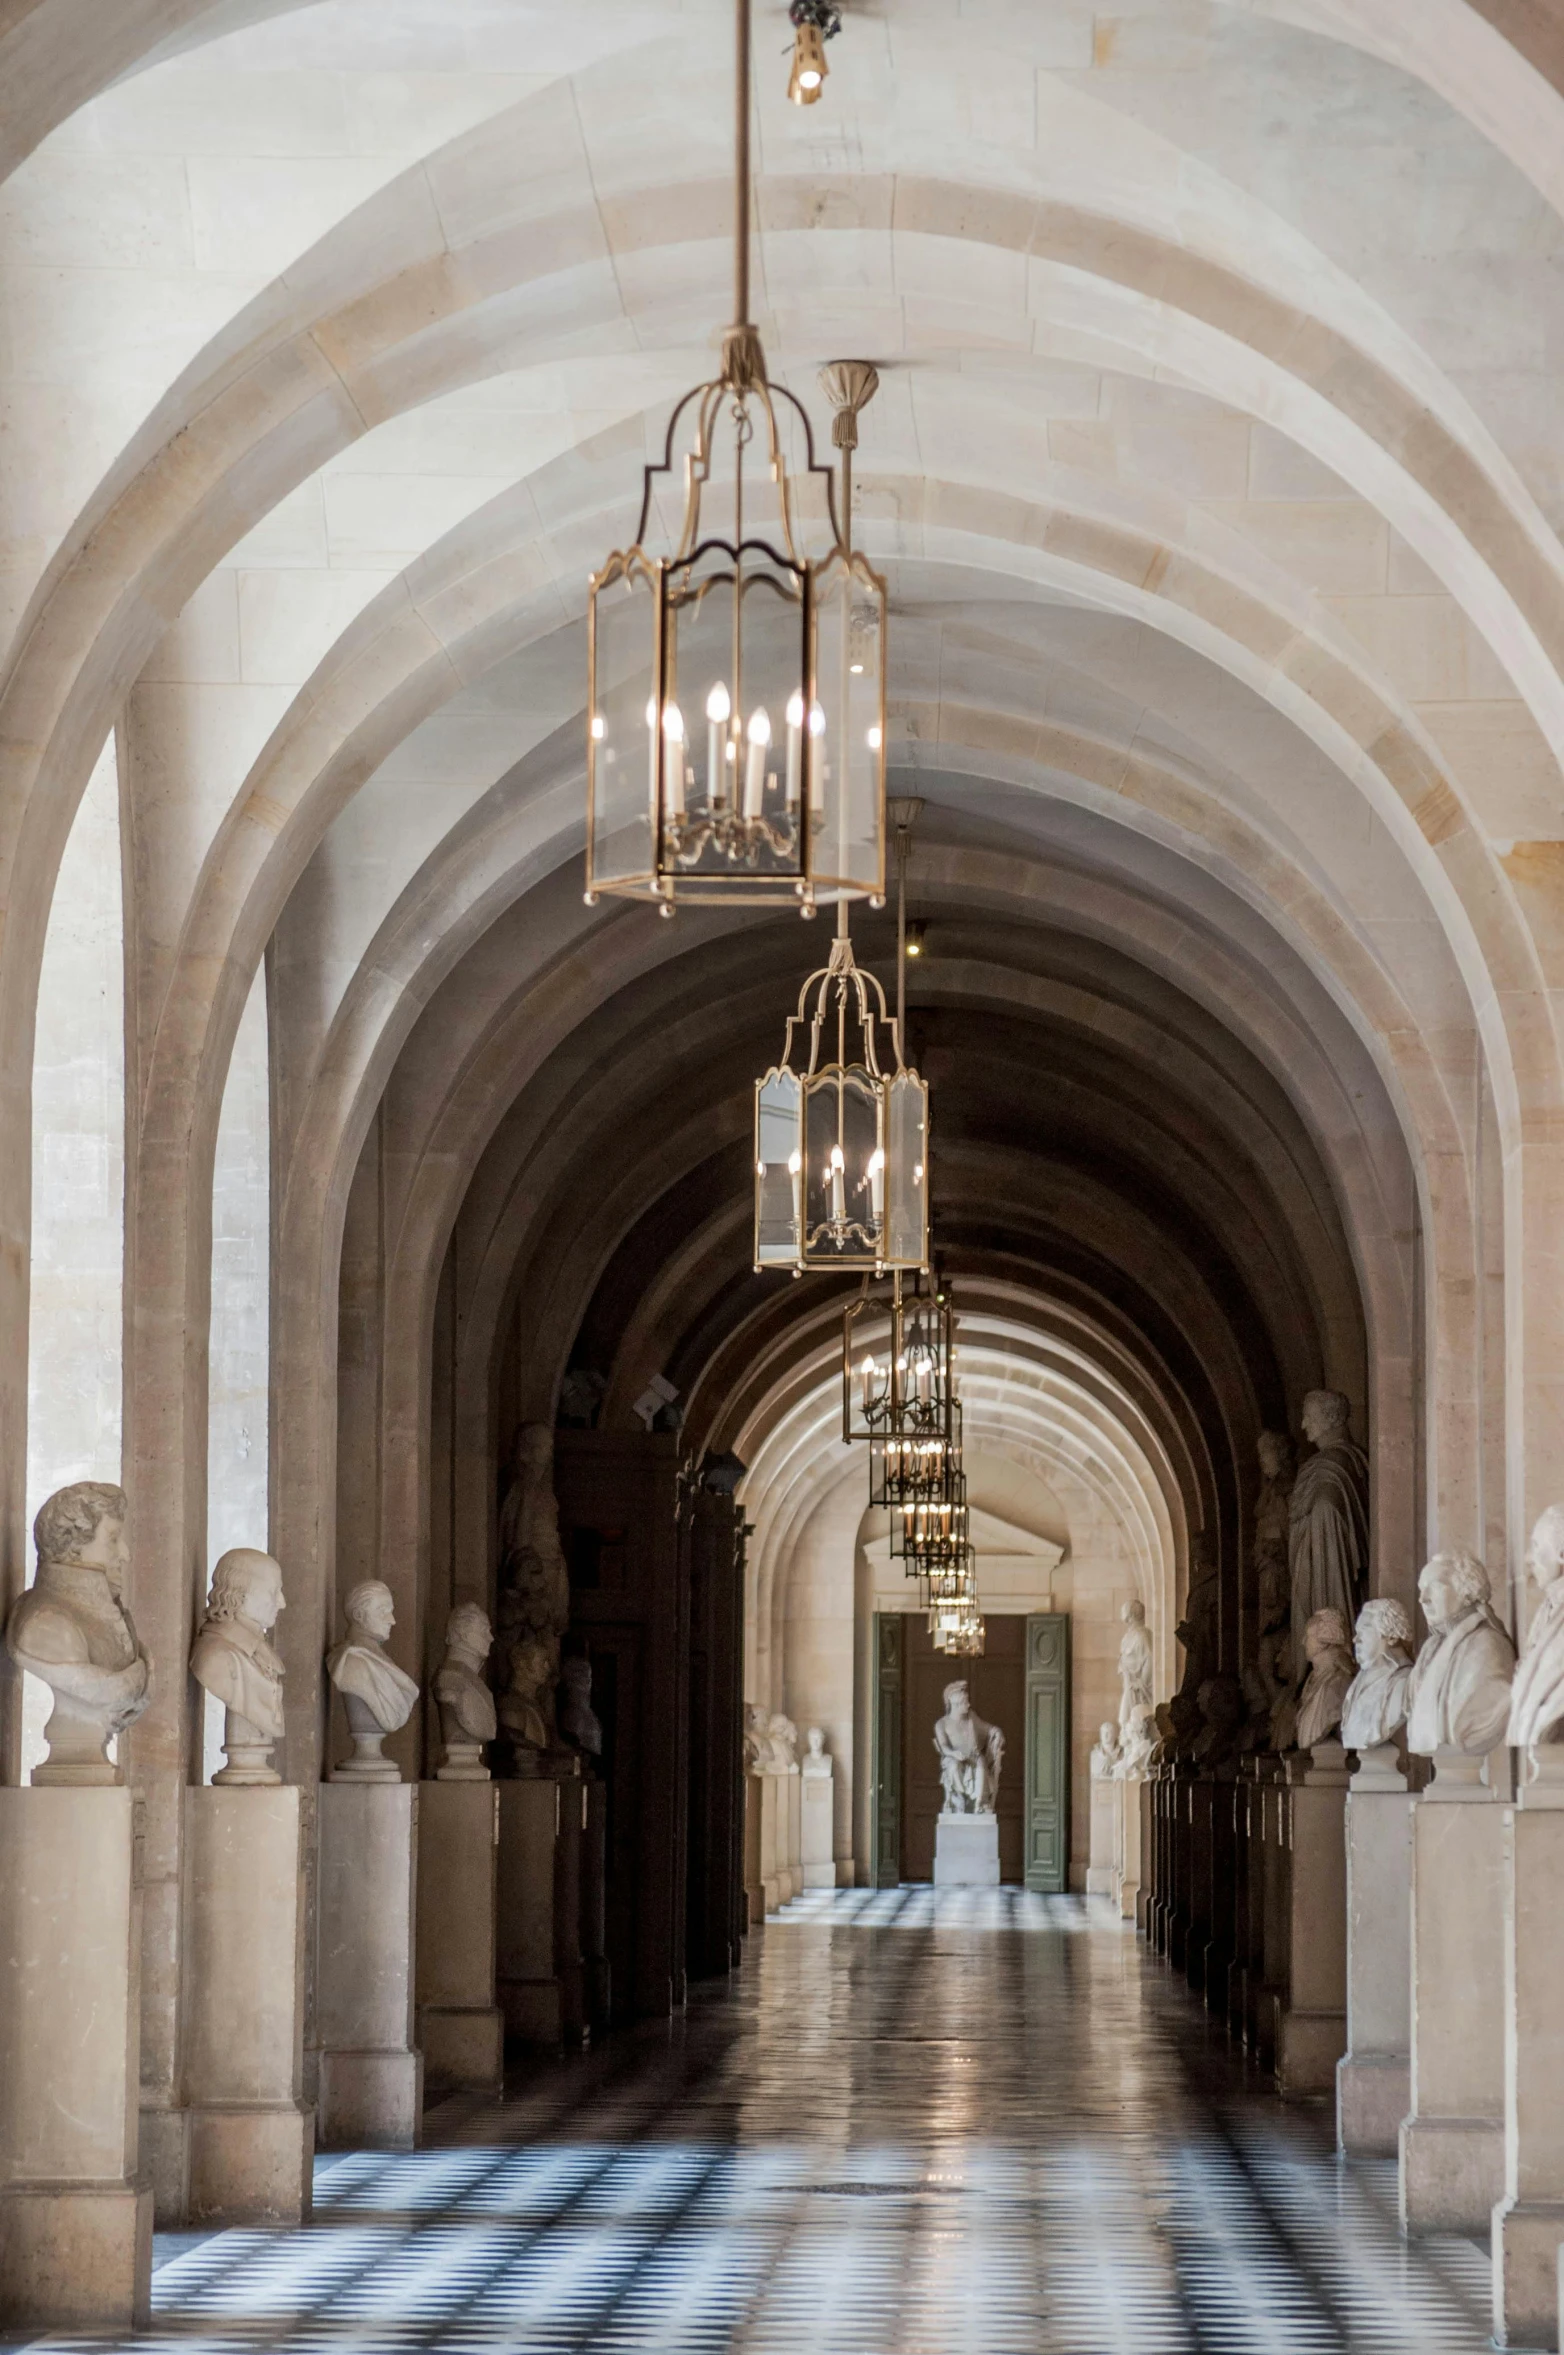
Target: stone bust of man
x=815, y=1764
x=72, y=1631
x=232, y=1660
x=579, y=1722
x=1458, y=1695
x=1105, y=1750
x=377, y=1694
x=1537, y=1695
x=466, y=1705
x=1375, y=1708
x=971, y=1754
x=1329, y=1654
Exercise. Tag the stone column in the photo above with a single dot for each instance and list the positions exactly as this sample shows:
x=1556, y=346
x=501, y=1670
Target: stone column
x=1528, y=2221
x=461, y=2032
x=1106, y=1835
x=1311, y=2028
x=251, y=2135
x=795, y=1833
x=75, y=2217
x=1452, y=2143
x=371, y=2072
x=1374, y=2077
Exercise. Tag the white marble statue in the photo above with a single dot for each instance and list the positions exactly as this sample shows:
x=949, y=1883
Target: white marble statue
x=466, y=1705
x=1134, y=1662
x=1375, y=1708
x=814, y=1764
x=1140, y=1739
x=579, y=1722
x=379, y=1696
x=232, y=1660
x=1327, y=1520
x=1458, y=1695
x=1105, y=1751
x=757, y=1741
x=72, y=1631
x=782, y=1738
x=1328, y=1650
x=971, y=1754
x=1537, y=1695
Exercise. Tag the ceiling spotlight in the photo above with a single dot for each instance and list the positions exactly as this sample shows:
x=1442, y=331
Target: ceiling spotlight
x=814, y=23
x=915, y=933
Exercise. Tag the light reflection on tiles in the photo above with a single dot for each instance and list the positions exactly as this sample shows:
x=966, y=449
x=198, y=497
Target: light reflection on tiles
x=916, y=2124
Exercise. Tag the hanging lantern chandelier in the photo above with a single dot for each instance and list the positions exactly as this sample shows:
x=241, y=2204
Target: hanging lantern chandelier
x=903, y=1400
x=736, y=681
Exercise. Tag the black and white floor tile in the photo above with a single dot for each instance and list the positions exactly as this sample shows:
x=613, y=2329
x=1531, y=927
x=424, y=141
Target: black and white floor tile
x=916, y=2124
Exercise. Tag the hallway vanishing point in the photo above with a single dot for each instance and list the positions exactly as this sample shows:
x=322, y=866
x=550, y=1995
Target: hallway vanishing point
x=913, y=2125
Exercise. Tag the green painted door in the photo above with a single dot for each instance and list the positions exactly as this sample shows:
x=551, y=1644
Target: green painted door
x=1048, y=1752
x=885, y=1859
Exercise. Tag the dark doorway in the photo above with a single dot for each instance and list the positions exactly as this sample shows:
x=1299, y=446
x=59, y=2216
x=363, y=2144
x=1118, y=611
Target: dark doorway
x=998, y=1686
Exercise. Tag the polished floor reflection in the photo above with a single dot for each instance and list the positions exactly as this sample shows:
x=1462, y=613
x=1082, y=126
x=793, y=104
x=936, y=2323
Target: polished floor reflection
x=915, y=2125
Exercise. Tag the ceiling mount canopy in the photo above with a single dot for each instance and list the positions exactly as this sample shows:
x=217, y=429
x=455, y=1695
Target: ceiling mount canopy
x=736, y=679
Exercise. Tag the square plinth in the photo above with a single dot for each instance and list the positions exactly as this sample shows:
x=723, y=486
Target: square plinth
x=966, y=1851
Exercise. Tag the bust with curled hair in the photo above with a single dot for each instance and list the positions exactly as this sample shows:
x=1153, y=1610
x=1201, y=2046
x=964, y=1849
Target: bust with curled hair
x=1537, y=1697
x=72, y=1631
x=1458, y=1695
x=232, y=1660
x=1329, y=1654
x=1376, y=1705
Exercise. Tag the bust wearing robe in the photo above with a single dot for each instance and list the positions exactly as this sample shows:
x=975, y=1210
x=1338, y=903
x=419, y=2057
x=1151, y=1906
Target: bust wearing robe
x=71, y=1630
x=1329, y=1655
x=971, y=1754
x=1537, y=1696
x=1327, y=1519
x=1375, y=1708
x=1458, y=1695
x=378, y=1696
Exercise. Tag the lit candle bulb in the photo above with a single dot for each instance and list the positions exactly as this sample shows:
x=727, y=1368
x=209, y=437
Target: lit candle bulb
x=755, y=766
x=867, y=1371
x=795, y=749
x=719, y=707
x=673, y=761
x=838, y=1185
x=877, y=1184
x=816, y=762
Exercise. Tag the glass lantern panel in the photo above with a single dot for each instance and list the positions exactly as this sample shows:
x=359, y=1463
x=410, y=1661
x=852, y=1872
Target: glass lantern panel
x=866, y=1380
x=907, y=1171
x=778, y=1168
x=844, y=1169
x=848, y=786
x=621, y=725
x=736, y=713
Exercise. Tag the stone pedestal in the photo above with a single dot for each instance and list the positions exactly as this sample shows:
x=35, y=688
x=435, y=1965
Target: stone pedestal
x=793, y=1860
x=1311, y=2027
x=251, y=2136
x=371, y=2073
x=461, y=2032
x=596, y=1981
x=1452, y=2143
x=1528, y=2221
x=1127, y=1858
x=966, y=1851
x=75, y=2220
x=773, y=1839
x=539, y=1978
x=817, y=1839
x=754, y=1848
x=1102, y=1872
x=1374, y=2079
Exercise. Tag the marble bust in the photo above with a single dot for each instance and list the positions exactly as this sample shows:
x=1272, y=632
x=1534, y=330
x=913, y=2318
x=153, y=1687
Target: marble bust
x=782, y=1735
x=377, y=1694
x=1105, y=1750
x=578, y=1720
x=1537, y=1695
x=466, y=1705
x=1331, y=1669
x=815, y=1765
x=1327, y=1520
x=1375, y=1708
x=523, y=1708
x=1458, y=1695
x=1134, y=1662
x=971, y=1754
x=232, y=1660
x=757, y=1745
x=72, y=1631
x=1135, y=1750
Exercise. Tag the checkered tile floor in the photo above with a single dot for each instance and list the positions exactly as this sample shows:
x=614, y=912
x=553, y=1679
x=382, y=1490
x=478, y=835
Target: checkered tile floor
x=916, y=2124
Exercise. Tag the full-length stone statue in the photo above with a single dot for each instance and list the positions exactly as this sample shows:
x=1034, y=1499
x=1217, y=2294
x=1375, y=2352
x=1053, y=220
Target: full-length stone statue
x=1273, y=1505
x=72, y=1631
x=466, y=1705
x=1375, y=1708
x=232, y=1660
x=1197, y=1630
x=971, y=1754
x=1537, y=1696
x=1270, y=1676
x=1327, y=1523
x=1458, y=1695
x=1134, y=1663
x=1328, y=1650
x=378, y=1696
x=534, y=1604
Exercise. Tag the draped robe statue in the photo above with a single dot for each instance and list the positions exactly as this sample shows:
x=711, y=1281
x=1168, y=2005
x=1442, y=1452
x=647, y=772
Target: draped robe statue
x=971, y=1753
x=1134, y=1663
x=1327, y=1525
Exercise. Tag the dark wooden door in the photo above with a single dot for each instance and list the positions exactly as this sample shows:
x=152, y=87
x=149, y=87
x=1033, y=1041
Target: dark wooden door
x=885, y=1823
x=996, y=1682
x=1047, y=1768
x=713, y=1533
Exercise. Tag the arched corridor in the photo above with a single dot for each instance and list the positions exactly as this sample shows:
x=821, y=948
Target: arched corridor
x=916, y=2123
